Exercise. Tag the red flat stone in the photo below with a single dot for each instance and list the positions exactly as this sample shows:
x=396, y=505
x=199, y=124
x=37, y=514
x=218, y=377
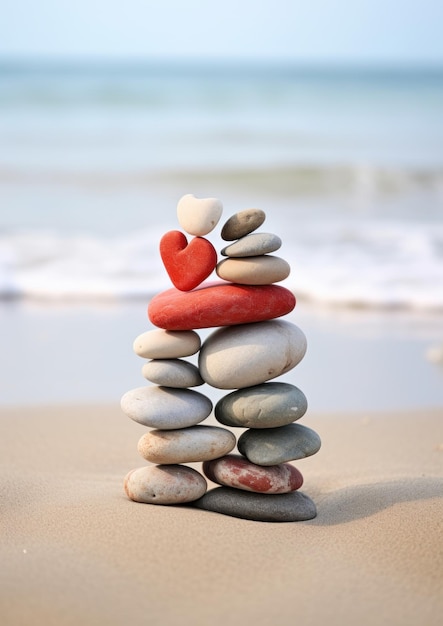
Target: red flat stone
x=219, y=304
x=187, y=264
x=235, y=471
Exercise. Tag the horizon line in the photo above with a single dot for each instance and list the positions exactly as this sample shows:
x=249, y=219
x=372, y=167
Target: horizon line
x=236, y=63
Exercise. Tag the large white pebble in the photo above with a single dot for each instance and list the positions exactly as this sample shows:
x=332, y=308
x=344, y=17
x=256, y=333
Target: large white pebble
x=172, y=373
x=166, y=408
x=198, y=216
x=167, y=344
x=186, y=445
x=240, y=356
x=164, y=484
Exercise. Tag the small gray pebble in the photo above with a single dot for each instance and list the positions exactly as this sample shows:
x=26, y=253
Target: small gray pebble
x=242, y=223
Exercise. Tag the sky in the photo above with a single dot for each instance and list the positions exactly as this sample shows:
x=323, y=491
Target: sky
x=350, y=31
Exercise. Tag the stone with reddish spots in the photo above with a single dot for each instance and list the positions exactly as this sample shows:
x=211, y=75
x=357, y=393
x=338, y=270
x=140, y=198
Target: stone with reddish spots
x=242, y=223
x=164, y=484
x=282, y=507
x=219, y=304
x=279, y=445
x=251, y=354
x=236, y=471
x=266, y=406
x=187, y=264
x=186, y=445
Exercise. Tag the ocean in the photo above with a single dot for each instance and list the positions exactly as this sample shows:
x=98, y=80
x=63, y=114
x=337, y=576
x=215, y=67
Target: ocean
x=346, y=163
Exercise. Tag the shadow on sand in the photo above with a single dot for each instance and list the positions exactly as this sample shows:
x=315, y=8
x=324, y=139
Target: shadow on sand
x=360, y=501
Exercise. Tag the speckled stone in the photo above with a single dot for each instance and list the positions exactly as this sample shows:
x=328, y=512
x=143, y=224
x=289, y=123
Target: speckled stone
x=166, y=408
x=242, y=223
x=186, y=445
x=253, y=245
x=164, y=484
x=237, y=472
x=250, y=354
x=279, y=445
x=254, y=270
x=198, y=216
x=284, y=507
x=166, y=344
x=266, y=406
x=172, y=373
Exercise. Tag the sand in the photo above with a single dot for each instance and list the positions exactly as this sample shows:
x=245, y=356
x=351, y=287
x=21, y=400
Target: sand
x=74, y=550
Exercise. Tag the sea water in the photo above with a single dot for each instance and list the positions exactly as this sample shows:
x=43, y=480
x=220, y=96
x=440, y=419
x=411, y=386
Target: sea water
x=347, y=164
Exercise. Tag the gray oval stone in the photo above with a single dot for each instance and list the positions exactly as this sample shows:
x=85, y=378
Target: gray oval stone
x=250, y=354
x=242, y=223
x=278, y=445
x=186, y=445
x=172, y=373
x=164, y=484
x=269, y=405
x=253, y=245
x=284, y=507
x=166, y=408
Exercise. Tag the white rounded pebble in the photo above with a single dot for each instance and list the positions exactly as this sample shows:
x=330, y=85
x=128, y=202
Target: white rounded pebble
x=198, y=216
x=167, y=344
x=240, y=356
x=186, y=445
x=254, y=270
x=253, y=245
x=172, y=373
x=164, y=484
x=166, y=408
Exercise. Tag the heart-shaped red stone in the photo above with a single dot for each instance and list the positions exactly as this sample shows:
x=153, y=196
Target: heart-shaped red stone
x=187, y=264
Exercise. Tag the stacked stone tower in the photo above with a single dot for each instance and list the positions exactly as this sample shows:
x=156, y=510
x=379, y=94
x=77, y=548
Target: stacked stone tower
x=249, y=348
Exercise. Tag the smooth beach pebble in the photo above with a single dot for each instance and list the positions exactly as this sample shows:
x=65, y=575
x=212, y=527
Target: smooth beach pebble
x=283, y=507
x=198, y=216
x=170, y=484
x=254, y=270
x=219, y=304
x=278, y=445
x=186, y=445
x=187, y=264
x=172, y=373
x=237, y=472
x=242, y=223
x=166, y=408
x=165, y=344
x=250, y=354
x=266, y=406
x=253, y=245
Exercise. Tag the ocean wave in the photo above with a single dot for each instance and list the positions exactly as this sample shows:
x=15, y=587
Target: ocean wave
x=378, y=264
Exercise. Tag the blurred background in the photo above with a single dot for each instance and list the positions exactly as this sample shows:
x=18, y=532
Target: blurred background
x=327, y=115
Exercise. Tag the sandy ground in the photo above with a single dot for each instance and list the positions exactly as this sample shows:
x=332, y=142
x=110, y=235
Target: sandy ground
x=75, y=550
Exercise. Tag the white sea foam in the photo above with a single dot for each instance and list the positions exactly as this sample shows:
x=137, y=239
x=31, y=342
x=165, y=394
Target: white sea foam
x=371, y=264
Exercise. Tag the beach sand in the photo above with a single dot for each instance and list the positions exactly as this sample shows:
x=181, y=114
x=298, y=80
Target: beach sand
x=75, y=550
